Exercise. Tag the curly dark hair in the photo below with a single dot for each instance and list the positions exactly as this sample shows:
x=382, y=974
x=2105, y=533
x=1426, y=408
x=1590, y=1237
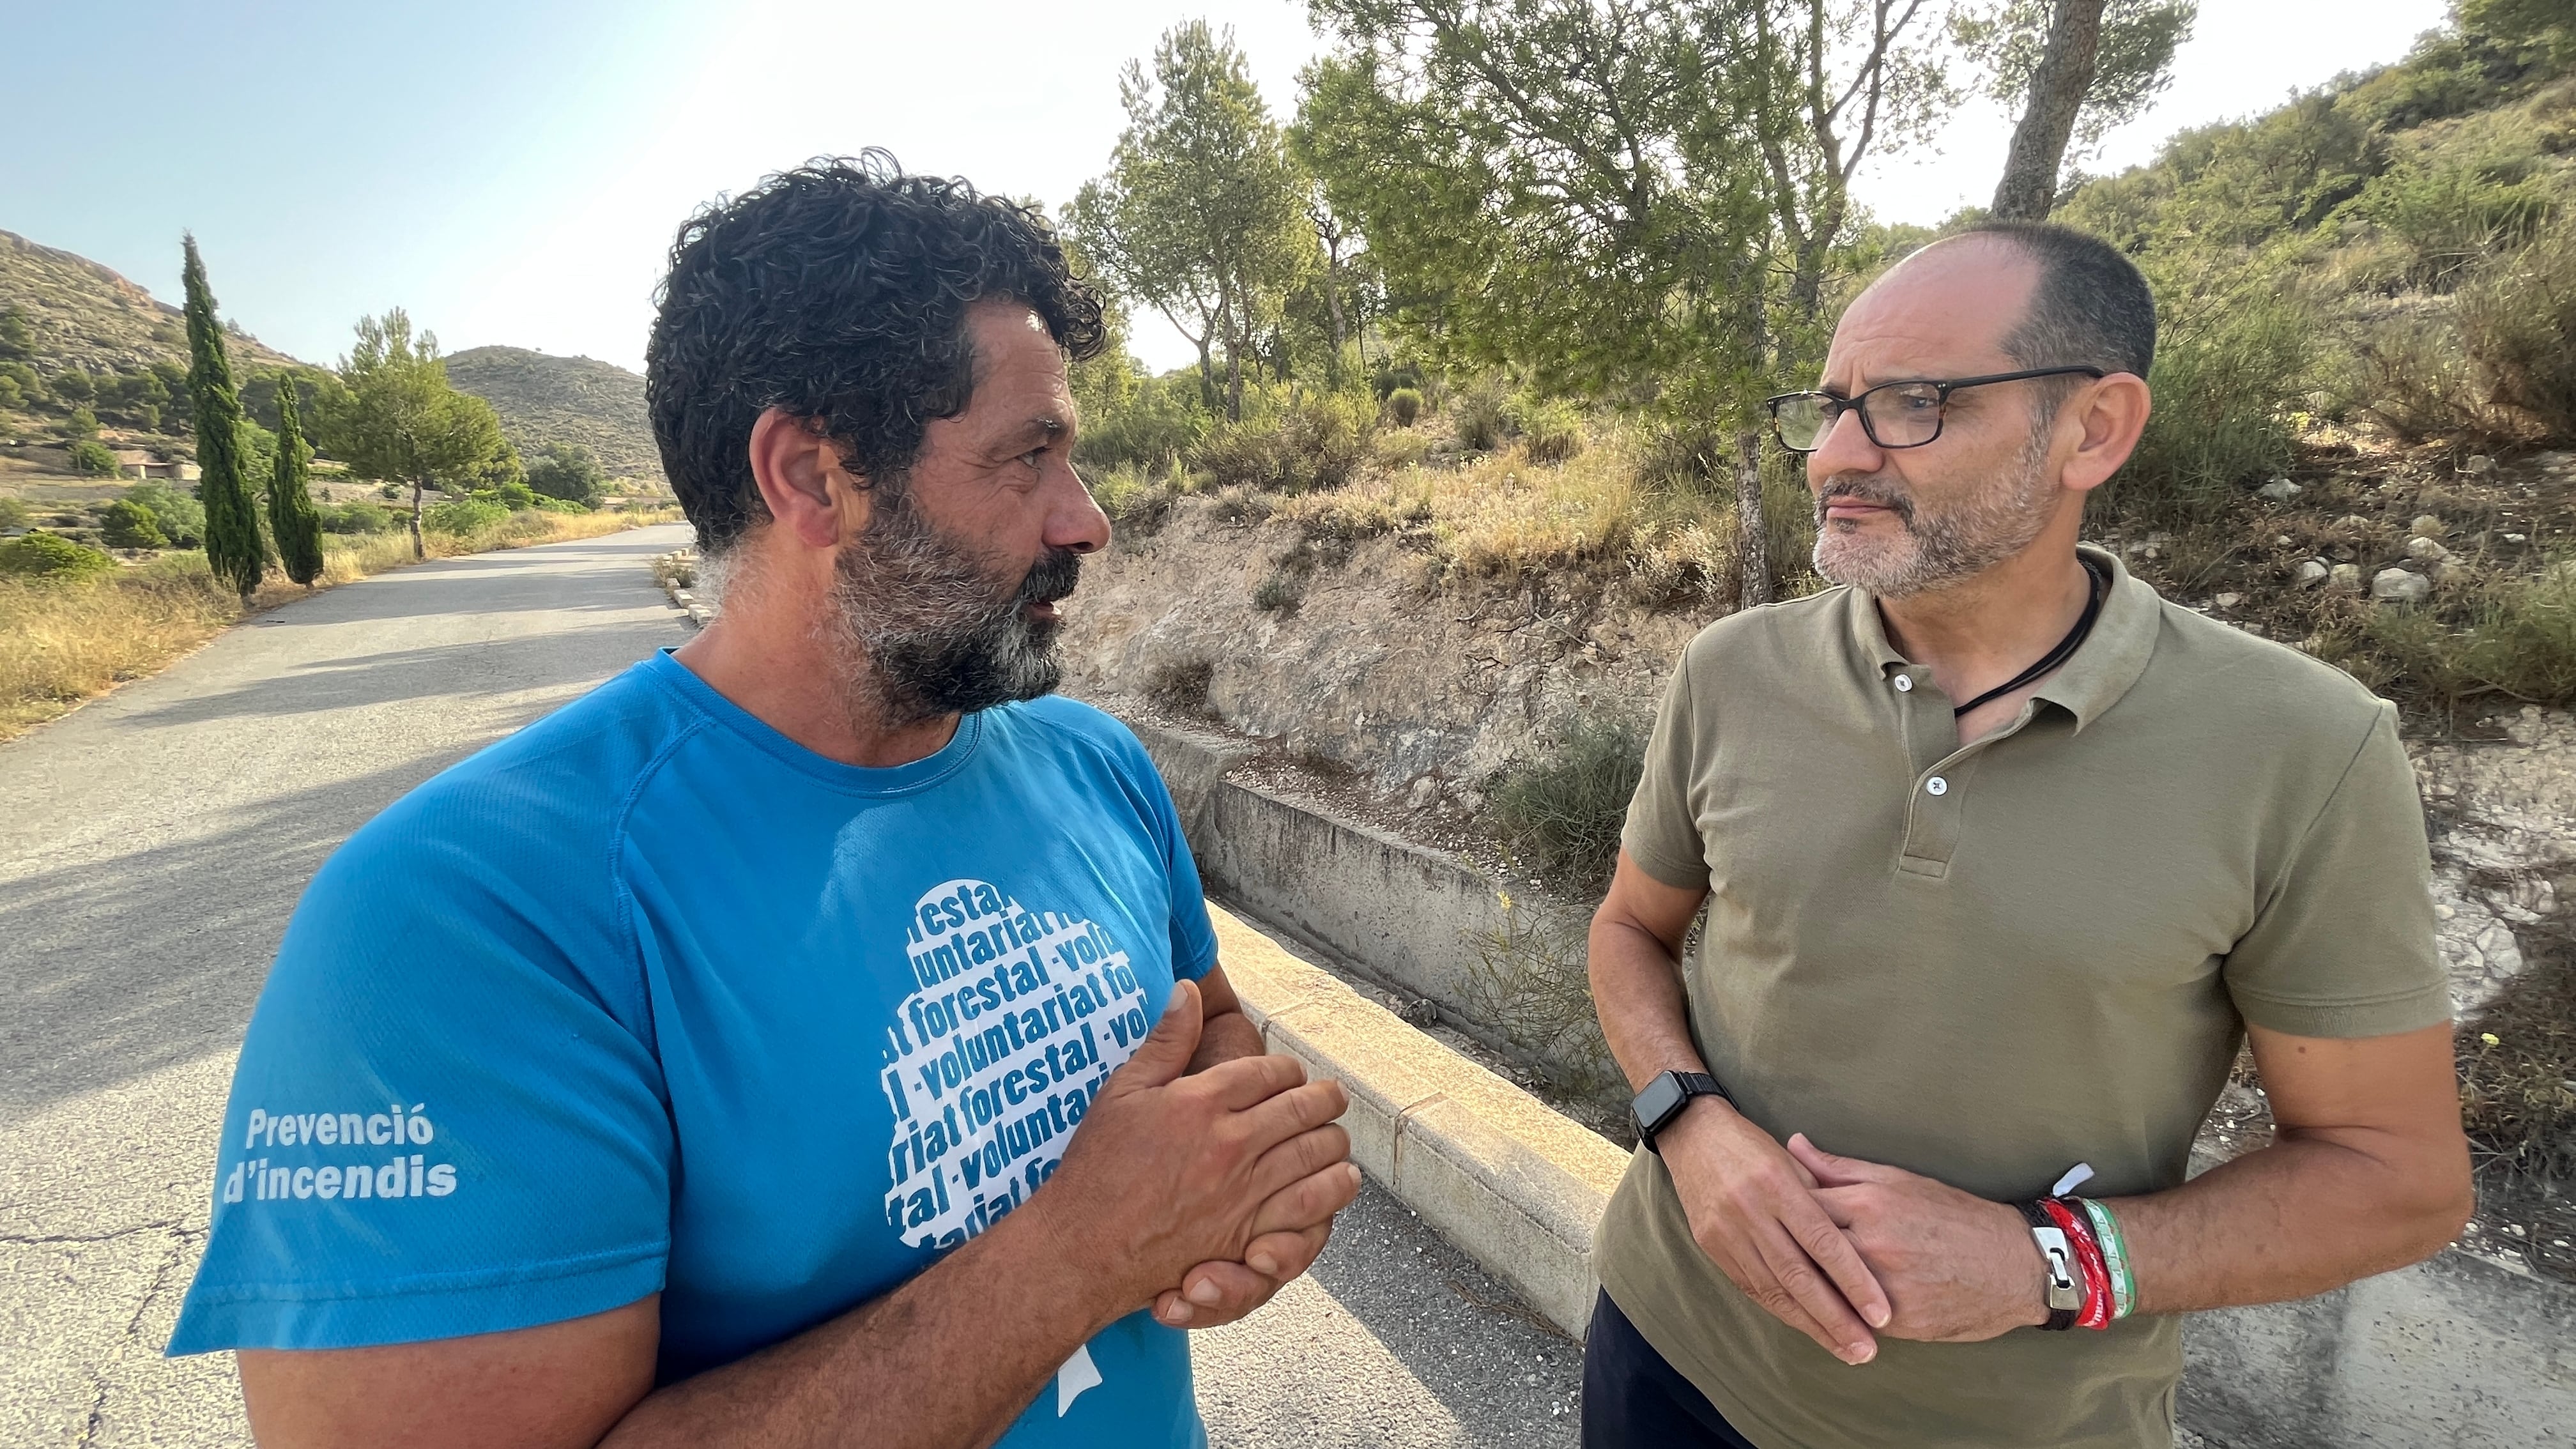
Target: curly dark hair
x=837, y=291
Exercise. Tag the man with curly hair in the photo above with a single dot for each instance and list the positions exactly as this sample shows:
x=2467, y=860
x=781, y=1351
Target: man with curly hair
x=815, y=1035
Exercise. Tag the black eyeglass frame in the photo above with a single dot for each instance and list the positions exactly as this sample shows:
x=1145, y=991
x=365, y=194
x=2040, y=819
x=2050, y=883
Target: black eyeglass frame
x=1834, y=407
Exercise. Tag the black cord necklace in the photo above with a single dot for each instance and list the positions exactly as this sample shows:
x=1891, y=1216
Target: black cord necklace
x=2066, y=647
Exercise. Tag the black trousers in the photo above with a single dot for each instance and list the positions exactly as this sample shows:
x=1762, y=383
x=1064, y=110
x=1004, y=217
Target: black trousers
x=1633, y=1399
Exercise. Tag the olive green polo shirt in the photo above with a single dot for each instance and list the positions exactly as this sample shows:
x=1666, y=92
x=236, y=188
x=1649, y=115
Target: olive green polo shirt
x=1986, y=963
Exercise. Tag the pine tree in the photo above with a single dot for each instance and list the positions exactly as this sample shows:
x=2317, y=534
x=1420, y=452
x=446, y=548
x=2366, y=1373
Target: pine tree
x=292, y=519
x=233, y=545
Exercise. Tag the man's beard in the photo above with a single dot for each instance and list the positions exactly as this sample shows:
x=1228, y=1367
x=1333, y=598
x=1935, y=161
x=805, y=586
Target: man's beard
x=924, y=626
x=1937, y=548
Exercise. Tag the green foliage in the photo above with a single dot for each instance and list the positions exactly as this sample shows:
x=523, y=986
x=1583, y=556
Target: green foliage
x=128, y=524
x=75, y=386
x=2233, y=361
x=51, y=556
x=1482, y=416
x=234, y=549
x=14, y=512
x=17, y=339
x=2518, y=639
x=402, y=420
x=1201, y=215
x=1278, y=594
x=292, y=519
x=1316, y=443
x=2132, y=64
x=568, y=471
x=92, y=459
x=2446, y=217
x=357, y=517
x=1156, y=423
x=461, y=516
x=1550, y=431
x=1565, y=811
x=1404, y=406
x=2518, y=324
x=82, y=424
x=179, y=518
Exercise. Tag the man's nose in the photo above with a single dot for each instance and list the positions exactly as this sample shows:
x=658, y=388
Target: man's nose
x=1845, y=448
x=1074, y=519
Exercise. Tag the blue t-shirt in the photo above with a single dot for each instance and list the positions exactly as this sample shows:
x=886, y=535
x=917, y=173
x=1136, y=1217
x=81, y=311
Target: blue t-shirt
x=648, y=997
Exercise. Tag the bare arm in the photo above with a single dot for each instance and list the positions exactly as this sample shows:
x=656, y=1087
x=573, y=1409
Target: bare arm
x=2368, y=1172
x=1178, y=1170
x=1746, y=1198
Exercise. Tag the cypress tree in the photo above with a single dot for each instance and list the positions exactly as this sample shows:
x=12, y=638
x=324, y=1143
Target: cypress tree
x=292, y=519
x=233, y=545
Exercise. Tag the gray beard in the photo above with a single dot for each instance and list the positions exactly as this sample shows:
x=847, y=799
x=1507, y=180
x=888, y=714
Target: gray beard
x=1992, y=525
x=923, y=626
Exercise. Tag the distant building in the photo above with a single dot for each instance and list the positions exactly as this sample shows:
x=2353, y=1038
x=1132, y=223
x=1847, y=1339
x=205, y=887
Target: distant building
x=137, y=464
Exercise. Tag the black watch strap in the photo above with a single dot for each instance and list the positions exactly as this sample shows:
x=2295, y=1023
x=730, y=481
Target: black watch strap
x=1664, y=1099
x=2062, y=1283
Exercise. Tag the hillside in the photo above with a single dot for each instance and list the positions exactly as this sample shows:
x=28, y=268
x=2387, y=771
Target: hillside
x=88, y=317
x=543, y=399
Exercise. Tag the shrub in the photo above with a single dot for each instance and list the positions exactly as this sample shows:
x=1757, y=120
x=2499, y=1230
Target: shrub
x=462, y=516
x=128, y=524
x=2231, y=366
x=180, y=518
x=1134, y=501
x=1277, y=594
x=1404, y=405
x=82, y=424
x=359, y=517
x=1550, y=432
x=1311, y=444
x=1483, y=417
x=1152, y=430
x=2410, y=376
x=2518, y=323
x=51, y=556
x=2447, y=217
x=1181, y=686
x=14, y=512
x=1566, y=809
x=567, y=471
x=91, y=458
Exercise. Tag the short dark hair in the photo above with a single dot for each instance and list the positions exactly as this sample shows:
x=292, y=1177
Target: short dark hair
x=837, y=291
x=2092, y=307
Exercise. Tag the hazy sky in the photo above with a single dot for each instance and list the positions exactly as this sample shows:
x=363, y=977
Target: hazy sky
x=512, y=170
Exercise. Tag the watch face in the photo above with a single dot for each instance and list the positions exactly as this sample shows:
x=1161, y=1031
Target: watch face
x=1657, y=1102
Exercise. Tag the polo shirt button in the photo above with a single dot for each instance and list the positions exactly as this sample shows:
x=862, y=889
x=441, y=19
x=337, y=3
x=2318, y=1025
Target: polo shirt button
x=1905, y=684
x=1936, y=786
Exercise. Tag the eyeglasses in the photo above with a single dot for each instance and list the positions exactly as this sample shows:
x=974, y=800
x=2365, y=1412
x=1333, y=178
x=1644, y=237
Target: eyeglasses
x=1894, y=414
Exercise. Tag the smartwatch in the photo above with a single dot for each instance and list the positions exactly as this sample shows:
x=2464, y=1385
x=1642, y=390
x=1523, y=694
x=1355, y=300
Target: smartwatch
x=1664, y=1099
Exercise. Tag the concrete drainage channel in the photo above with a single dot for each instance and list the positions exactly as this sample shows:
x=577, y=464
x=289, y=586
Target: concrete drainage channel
x=2460, y=1351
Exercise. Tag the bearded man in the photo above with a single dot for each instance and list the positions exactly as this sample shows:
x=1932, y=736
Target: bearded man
x=2003, y=856
x=764, y=1048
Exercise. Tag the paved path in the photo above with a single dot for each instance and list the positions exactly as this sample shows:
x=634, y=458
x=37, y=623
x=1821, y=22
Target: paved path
x=151, y=846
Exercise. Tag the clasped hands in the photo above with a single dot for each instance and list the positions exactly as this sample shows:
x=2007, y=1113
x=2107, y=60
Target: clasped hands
x=1201, y=1194
x=1845, y=1250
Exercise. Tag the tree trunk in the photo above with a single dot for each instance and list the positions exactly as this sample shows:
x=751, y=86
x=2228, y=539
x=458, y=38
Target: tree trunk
x=2057, y=90
x=1753, y=536
x=1207, y=377
x=417, y=551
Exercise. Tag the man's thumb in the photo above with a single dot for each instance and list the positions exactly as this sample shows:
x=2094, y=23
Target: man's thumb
x=1166, y=1052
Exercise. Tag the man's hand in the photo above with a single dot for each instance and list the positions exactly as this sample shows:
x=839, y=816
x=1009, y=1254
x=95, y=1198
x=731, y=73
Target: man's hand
x=1751, y=1210
x=1170, y=1173
x=1957, y=1268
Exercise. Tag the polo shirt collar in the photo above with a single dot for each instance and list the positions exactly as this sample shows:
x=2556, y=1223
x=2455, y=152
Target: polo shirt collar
x=2110, y=660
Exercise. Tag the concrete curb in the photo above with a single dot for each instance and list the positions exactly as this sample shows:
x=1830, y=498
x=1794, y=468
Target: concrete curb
x=1515, y=1185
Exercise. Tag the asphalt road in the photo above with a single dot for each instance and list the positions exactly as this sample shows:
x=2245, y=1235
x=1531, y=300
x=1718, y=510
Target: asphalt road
x=151, y=847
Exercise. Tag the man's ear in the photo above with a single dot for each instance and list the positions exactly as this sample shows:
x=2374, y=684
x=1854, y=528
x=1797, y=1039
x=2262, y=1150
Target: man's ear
x=2112, y=414
x=811, y=493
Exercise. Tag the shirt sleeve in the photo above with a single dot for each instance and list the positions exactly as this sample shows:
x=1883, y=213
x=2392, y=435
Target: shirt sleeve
x=447, y=1118
x=1193, y=934
x=2343, y=946
x=1662, y=832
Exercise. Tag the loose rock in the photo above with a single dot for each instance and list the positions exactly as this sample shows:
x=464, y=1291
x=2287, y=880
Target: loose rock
x=2279, y=490
x=2427, y=525
x=2312, y=573
x=2397, y=586
x=2344, y=576
x=2425, y=548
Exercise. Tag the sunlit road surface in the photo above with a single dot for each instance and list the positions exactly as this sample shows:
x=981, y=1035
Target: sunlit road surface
x=151, y=847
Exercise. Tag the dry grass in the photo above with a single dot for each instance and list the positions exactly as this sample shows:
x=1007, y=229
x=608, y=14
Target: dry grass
x=62, y=643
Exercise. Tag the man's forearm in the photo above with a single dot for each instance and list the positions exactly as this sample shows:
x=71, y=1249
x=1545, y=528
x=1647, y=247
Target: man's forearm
x=1012, y=1304
x=1227, y=1035
x=1637, y=989
x=2299, y=1217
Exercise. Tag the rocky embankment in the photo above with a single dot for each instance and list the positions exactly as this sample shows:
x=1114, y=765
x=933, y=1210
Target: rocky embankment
x=1421, y=694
